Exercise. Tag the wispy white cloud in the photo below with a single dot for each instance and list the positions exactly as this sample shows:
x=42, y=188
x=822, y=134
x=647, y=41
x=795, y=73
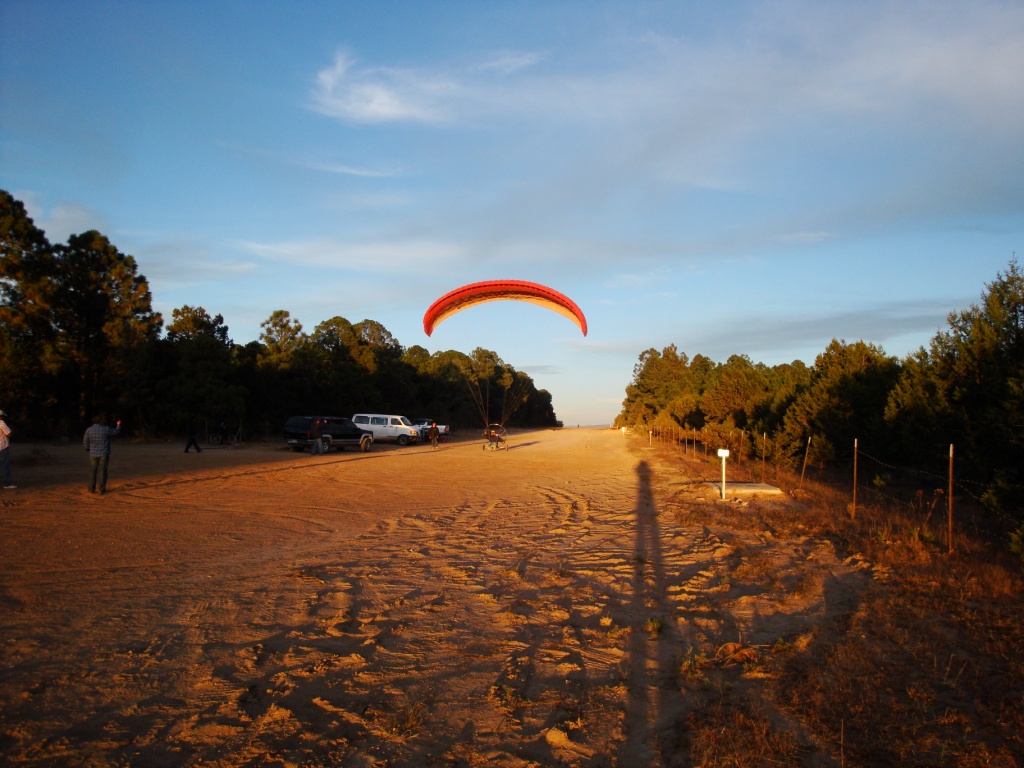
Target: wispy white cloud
x=955, y=63
x=763, y=337
x=176, y=263
x=383, y=94
x=838, y=118
x=699, y=112
x=507, y=62
x=504, y=86
x=61, y=220
x=542, y=370
x=346, y=170
x=67, y=219
x=373, y=256
x=292, y=159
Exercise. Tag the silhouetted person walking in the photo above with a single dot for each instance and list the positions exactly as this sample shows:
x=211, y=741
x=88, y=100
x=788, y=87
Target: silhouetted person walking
x=190, y=430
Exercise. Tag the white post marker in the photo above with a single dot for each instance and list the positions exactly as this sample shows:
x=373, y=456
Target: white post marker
x=724, y=453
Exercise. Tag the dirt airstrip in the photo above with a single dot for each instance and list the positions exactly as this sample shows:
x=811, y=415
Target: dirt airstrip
x=250, y=606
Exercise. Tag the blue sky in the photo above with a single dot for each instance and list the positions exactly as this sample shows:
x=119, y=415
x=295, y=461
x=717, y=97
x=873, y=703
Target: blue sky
x=733, y=178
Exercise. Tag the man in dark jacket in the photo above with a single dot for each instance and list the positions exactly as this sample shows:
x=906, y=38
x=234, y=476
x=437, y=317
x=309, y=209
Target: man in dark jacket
x=317, y=433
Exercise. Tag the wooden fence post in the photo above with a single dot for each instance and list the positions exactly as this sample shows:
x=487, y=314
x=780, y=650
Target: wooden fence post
x=764, y=451
x=853, y=512
x=949, y=500
x=807, y=452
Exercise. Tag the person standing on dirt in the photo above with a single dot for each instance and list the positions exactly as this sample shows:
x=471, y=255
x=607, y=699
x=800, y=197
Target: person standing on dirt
x=433, y=433
x=97, y=443
x=317, y=433
x=5, y=451
x=190, y=430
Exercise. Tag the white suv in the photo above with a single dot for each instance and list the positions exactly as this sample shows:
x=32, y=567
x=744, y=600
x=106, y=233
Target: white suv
x=388, y=427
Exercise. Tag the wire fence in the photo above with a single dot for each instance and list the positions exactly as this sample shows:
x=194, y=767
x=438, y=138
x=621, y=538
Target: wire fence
x=933, y=498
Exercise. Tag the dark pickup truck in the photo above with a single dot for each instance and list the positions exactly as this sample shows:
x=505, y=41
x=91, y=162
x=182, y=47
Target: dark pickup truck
x=338, y=432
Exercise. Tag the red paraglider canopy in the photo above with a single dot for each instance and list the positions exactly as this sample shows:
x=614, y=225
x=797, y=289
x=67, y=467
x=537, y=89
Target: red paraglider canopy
x=498, y=290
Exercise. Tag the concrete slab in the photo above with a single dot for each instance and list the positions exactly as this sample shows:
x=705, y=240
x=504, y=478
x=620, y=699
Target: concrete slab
x=744, y=490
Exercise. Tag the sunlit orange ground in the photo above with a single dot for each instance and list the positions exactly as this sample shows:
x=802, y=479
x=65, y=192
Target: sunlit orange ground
x=252, y=606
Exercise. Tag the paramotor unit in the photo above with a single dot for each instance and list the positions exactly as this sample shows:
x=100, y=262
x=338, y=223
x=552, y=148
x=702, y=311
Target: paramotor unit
x=496, y=437
x=499, y=290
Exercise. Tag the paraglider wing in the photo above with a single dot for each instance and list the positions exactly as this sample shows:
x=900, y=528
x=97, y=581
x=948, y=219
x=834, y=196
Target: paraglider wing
x=499, y=290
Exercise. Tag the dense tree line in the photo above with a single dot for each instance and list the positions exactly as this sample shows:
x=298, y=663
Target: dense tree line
x=79, y=337
x=966, y=389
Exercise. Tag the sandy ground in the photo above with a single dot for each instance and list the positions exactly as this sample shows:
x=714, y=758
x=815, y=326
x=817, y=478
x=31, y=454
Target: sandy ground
x=250, y=606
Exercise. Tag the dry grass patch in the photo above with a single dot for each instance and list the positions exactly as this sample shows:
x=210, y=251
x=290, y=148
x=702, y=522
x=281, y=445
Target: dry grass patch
x=913, y=678
x=402, y=719
x=737, y=734
x=755, y=568
x=925, y=668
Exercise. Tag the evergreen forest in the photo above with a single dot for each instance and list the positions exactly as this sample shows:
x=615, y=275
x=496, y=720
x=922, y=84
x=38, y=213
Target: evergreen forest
x=965, y=391
x=79, y=337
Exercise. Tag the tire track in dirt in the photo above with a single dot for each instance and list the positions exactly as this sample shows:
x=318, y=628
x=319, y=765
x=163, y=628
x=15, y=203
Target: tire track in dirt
x=504, y=567
x=536, y=610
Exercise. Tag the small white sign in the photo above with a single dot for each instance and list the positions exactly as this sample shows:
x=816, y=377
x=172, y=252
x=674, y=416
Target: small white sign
x=723, y=452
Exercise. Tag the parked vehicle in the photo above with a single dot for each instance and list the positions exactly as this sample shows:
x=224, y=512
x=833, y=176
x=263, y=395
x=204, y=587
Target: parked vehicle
x=223, y=436
x=424, y=424
x=338, y=432
x=386, y=426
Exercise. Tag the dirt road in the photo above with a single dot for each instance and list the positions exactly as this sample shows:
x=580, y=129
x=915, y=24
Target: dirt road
x=405, y=607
